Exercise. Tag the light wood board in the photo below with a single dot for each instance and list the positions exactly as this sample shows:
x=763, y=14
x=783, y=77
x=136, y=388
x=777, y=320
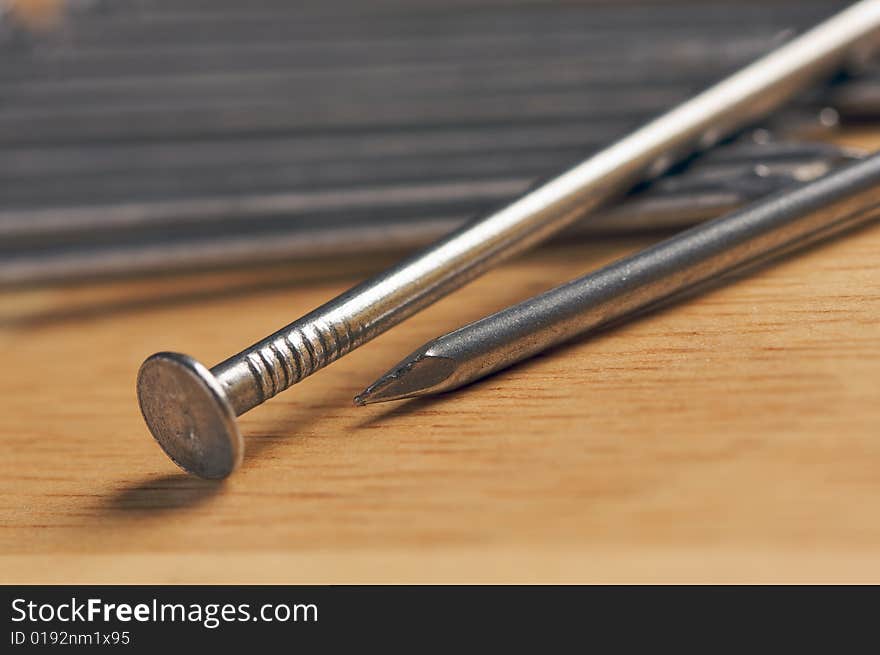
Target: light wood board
x=734, y=437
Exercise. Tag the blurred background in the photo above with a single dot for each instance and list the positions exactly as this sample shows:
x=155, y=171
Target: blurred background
x=149, y=136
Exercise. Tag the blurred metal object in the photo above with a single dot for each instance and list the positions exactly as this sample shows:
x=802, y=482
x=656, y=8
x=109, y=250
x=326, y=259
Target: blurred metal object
x=191, y=410
x=132, y=112
x=723, y=179
x=372, y=185
x=781, y=222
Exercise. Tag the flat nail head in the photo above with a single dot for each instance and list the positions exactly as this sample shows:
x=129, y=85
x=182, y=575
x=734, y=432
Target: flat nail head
x=188, y=414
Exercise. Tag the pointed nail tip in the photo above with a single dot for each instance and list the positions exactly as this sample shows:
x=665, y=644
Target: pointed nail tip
x=416, y=377
x=372, y=395
x=376, y=392
x=367, y=398
x=363, y=402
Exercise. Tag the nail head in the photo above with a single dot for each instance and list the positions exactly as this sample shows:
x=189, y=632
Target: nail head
x=187, y=412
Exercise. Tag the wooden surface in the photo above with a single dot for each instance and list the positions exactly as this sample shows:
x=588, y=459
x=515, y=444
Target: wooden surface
x=735, y=437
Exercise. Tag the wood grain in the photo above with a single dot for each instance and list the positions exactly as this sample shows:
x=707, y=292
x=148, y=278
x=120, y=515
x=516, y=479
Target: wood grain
x=734, y=437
